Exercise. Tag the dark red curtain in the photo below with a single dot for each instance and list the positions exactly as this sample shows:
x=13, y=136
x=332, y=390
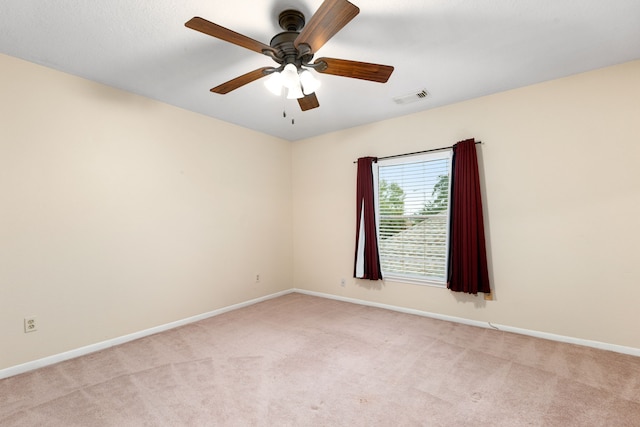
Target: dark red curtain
x=468, y=270
x=367, y=258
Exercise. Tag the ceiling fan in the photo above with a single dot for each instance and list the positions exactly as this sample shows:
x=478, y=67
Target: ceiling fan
x=293, y=50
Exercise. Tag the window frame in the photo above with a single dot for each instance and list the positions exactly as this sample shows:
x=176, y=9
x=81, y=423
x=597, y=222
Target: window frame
x=418, y=158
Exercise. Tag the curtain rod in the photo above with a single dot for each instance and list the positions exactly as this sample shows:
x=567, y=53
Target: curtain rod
x=417, y=152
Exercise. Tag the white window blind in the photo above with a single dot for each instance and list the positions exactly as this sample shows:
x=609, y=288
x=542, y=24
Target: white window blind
x=413, y=216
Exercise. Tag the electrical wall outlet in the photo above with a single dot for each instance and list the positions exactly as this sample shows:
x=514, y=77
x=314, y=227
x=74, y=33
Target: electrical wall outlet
x=258, y=278
x=30, y=324
x=343, y=282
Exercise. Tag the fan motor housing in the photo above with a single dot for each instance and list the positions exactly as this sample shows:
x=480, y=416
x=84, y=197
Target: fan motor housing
x=283, y=43
x=291, y=21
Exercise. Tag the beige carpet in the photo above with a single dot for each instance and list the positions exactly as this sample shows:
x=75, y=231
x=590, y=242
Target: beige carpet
x=299, y=360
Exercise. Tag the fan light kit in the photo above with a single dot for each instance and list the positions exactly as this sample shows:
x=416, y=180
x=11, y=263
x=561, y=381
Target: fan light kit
x=293, y=50
x=297, y=82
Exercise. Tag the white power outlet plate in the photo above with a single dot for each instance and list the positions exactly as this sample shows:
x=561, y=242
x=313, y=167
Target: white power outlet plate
x=30, y=324
x=343, y=282
x=258, y=278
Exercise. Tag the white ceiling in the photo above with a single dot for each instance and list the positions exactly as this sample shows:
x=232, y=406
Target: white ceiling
x=455, y=49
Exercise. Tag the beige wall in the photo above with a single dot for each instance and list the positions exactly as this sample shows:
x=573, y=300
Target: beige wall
x=560, y=166
x=119, y=213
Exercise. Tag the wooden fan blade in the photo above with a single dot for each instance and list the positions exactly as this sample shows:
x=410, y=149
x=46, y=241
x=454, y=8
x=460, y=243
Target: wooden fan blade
x=308, y=102
x=222, y=33
x=325, y=23
x=356, y=70
x=240, y=81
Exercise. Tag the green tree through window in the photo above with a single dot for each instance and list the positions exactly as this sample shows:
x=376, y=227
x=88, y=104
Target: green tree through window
x=439, y=197
x=391, y=199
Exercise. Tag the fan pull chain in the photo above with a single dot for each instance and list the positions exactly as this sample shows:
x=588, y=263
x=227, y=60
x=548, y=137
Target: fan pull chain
x=284, y=109
x=284, y=114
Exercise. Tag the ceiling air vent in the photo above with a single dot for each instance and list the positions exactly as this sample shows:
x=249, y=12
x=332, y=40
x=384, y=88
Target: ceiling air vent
x=412, y=97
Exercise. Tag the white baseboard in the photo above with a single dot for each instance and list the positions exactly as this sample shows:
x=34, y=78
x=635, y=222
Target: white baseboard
x=545, y=335
x=56, y=358
x=50, y=360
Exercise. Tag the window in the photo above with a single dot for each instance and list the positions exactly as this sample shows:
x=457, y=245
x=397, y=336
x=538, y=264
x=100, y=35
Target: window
x=413, y=217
